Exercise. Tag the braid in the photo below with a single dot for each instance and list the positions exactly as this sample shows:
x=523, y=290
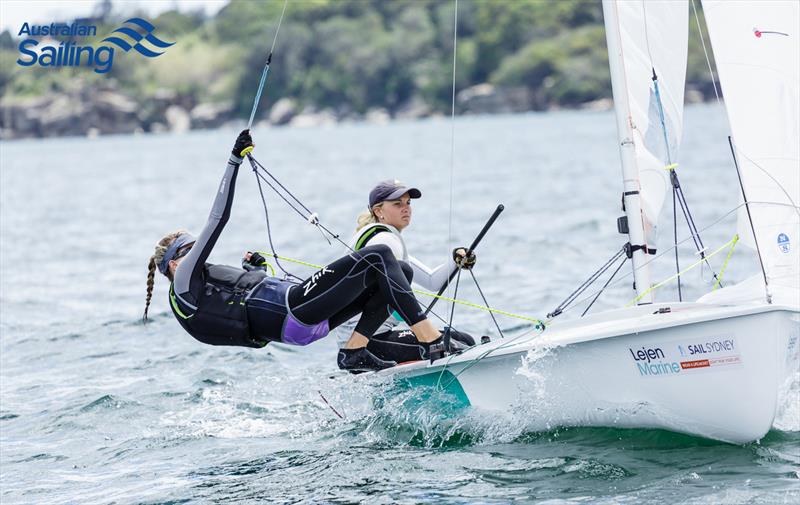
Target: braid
x=151, y=279
x=155, y=259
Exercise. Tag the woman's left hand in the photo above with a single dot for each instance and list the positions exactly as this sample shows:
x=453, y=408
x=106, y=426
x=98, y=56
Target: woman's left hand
x=464, y=259
x=243, y=142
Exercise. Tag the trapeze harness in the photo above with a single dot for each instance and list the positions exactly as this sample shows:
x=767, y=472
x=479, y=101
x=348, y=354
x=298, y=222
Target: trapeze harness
x=225, y=305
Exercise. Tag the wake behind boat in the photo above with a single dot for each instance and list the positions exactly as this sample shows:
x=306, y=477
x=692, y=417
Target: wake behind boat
x=713, y=367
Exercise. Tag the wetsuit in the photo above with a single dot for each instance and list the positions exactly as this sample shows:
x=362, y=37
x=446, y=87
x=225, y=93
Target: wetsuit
x=429, y=278
x=224, y=305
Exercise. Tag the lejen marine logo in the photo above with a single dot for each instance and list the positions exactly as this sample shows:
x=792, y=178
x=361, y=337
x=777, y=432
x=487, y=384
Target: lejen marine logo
x=40, y=48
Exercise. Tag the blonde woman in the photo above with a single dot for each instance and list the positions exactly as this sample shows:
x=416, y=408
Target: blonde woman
x=388, y=214
x=225, y=305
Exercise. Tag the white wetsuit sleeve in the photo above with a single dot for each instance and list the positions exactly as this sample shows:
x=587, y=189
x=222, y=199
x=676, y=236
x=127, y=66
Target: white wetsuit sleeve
x=390, y=240
x=430, y=278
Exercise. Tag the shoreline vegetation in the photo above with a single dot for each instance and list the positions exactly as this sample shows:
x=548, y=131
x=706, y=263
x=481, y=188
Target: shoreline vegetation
x=335, y=60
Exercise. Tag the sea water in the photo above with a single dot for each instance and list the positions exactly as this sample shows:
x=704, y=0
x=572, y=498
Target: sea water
x=96, y=407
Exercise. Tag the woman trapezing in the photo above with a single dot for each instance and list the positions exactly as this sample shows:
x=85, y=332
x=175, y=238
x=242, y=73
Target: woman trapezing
x=226, y=305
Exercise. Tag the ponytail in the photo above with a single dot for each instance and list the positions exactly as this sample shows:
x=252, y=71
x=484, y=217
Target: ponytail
x=367, y=217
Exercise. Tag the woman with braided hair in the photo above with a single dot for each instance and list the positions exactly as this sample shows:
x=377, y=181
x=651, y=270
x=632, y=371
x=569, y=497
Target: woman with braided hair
x=225, y=305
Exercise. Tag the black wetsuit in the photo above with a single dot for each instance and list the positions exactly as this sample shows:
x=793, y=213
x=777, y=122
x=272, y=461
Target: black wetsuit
x=224, y=305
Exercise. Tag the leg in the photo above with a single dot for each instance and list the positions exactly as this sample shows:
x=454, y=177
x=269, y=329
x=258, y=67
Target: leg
x=335, y=287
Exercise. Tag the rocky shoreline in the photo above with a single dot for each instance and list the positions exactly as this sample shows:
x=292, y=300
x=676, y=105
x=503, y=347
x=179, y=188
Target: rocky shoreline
x=100, y=111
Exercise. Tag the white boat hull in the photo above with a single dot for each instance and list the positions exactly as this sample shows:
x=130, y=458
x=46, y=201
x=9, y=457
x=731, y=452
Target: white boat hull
x=704, y=370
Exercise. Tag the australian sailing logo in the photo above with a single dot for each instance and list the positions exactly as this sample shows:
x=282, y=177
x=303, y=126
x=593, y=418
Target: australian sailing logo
x=45, y=51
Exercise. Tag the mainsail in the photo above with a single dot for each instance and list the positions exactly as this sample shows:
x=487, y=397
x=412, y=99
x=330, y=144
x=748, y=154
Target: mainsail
x=757, y=51
x=648, y=44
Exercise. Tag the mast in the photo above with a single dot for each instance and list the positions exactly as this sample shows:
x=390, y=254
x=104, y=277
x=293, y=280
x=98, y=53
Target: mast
x=637, y=248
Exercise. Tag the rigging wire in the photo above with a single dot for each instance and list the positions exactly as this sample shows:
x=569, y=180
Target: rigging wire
x=705, y=51
x=625, y=276
x=452, y=139
x=266, y=68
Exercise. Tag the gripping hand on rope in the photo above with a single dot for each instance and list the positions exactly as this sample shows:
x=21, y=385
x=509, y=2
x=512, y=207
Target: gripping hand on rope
x=244, y=144
x=464, y=258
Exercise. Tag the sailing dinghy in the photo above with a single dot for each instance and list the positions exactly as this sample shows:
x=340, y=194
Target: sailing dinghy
x=712, y=367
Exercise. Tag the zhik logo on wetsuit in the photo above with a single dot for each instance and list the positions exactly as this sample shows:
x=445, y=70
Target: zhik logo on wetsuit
x=312, y=282
x=54, y=45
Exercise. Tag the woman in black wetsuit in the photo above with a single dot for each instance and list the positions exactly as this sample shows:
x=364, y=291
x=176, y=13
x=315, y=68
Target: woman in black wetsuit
x=225, y=305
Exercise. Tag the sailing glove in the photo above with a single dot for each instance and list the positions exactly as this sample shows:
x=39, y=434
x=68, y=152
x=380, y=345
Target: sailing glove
x=467, y=261
x=255, y=262
x=243, y=141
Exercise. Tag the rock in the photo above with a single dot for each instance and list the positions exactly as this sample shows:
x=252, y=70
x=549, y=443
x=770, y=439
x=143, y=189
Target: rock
x=310, y=118
x=21, y=118
x=601, y=104
x=488, y=99
x=63, y=117
x=377, y=115
x=178, y=119
x=283, y=111
x=210, y=115
x=114, y=113
x=158, y=128
x=413, y=109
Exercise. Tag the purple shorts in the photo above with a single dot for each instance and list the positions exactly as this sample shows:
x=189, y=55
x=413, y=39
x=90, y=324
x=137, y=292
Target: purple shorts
x=269, y=317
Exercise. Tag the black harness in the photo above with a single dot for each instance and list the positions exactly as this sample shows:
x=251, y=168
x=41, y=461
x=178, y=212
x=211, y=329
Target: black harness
x=221, y=314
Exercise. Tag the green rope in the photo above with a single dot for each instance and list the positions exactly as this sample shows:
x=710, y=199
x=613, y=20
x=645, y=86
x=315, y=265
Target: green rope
x=731, y=242
x=725, y=265
x=538, y=322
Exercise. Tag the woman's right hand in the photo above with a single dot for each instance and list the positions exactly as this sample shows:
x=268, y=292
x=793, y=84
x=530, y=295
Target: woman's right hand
x=243, y=141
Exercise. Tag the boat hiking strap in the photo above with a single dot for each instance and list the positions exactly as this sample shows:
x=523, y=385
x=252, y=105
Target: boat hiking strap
x=731, y=243
x=537, y=322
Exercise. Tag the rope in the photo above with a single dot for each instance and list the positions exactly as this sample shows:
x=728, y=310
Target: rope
x=465, y=303
x=668, y=250
x=727, y=259
x=606, y=285
x=588, y=282
x=266, y=69
x=475, y=280
x=693, y=265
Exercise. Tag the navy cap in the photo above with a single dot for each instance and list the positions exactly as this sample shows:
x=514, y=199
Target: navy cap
x=391, y=190
x=180, y=241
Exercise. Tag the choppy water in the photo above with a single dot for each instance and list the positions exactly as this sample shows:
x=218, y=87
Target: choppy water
x=97, y=408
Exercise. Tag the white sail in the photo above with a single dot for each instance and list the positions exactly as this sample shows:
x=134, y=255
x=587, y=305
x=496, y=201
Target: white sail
x=757, y=51
x=648, y=43
x=654, y=36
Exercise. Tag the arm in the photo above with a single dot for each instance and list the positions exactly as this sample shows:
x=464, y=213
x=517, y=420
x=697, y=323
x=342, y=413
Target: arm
x=187, y=277
x=431, y=278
